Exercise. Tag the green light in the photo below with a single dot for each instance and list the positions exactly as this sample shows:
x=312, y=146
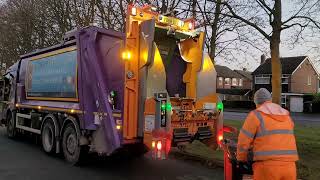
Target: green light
x=112, y=94
x=169, y=107
x=220, y=106
x=166, y=106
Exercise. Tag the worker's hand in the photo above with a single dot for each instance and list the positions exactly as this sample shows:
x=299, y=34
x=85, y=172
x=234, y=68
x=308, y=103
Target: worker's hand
x=245, y=167
x=242, y=162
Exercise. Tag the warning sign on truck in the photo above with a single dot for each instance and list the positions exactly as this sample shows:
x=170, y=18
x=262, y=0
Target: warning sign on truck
x=149, y=123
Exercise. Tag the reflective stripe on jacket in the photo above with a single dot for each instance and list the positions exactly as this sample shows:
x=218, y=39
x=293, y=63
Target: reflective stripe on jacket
x=269, y=131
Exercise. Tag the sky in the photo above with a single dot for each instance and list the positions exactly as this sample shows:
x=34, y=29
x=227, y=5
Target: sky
x=308, y=47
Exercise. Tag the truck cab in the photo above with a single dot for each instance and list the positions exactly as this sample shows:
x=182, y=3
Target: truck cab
x=7, y=93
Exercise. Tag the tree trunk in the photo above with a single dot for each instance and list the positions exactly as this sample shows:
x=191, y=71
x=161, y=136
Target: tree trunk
x=194, y=8
x=123, y=16
x=92, y=13
x=275, y=53
x=164, y=8
x=276, y=68
x=214, y=26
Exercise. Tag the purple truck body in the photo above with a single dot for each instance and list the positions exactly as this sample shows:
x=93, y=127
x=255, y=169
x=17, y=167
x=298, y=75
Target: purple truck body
x=100, y=70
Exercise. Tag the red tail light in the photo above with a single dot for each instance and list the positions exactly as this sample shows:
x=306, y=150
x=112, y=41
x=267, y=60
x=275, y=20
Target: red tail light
x=159, y=145
x=220, y=138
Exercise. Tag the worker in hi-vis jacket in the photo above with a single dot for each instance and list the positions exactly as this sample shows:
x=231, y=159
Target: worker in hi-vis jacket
x=268, y=132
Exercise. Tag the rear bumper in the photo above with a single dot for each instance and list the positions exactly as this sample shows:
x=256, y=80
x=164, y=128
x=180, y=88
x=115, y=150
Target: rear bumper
x=182, y=135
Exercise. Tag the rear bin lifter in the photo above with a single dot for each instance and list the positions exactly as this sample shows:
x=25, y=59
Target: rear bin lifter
x=233, y=169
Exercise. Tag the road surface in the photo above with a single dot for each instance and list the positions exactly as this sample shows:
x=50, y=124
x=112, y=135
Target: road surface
x=24, y=160
x=297, y=117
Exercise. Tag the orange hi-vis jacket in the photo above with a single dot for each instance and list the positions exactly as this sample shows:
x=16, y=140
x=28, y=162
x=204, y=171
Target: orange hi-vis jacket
x=269, y=131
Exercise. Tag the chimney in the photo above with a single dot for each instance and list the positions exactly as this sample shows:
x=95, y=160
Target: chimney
x=263, y=59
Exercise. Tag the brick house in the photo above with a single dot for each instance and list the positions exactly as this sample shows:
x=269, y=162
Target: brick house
x=299, y=77
x=232, y=85
x=247, y=78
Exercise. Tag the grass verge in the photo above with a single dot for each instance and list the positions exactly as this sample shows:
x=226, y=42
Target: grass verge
x=308, y=143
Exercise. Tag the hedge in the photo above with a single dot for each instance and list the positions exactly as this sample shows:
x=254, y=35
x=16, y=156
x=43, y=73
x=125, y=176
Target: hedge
x=239, y=104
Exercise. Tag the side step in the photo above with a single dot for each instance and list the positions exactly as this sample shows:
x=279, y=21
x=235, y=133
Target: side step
x=19, y=123
x=181, y=135
x=204, y=133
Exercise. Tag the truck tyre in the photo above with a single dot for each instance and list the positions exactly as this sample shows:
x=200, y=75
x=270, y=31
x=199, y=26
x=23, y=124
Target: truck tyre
x=139, y=150
x=11, y=125
x=72, y=151
x=48, y=137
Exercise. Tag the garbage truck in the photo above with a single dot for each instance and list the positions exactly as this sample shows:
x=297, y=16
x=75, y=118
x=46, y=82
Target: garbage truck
x=152, y=87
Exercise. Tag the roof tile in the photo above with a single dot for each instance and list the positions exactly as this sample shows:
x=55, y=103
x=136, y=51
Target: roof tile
x=289, y=64
x=224, y=71
x=246, y=74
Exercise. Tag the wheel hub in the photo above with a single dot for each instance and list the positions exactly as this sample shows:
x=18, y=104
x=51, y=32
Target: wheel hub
x=71, y=144
x=48, y=138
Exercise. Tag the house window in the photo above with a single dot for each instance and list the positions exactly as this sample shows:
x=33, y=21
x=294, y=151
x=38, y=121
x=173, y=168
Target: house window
x=220, y=81
x=234, y=82
x=240, y=82
x=285, y=79
x=309, y=80
x=283, y=101
x=262, y=79
x=227, y=81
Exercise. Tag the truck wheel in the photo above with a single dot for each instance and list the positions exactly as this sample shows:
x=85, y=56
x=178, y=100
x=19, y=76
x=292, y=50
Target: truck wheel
x=11, y=126
x=72, y=151
x=139, y=150
x=48, y=137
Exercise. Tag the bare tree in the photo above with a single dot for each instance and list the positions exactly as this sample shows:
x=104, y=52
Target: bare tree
x=224, y=40
x=112, y=13
x=211, y=19
x=28, y=25
x=265, y=16
x=18, y=19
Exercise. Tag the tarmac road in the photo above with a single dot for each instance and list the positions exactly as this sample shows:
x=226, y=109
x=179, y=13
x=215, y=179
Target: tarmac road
x=23, y=159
